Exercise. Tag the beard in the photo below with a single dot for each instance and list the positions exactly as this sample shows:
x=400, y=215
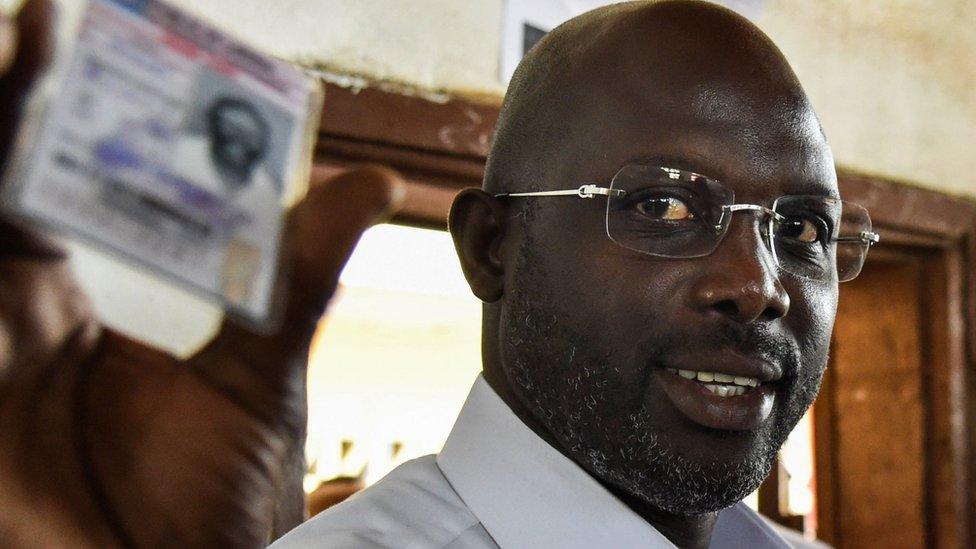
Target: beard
x=605, y=423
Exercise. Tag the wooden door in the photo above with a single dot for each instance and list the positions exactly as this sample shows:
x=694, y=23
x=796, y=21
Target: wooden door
x=871, y=414
x=884, y=418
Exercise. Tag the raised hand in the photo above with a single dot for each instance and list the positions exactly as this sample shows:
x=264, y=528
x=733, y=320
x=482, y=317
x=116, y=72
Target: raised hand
x=106, y=442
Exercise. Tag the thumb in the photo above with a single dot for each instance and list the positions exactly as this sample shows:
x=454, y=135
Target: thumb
x=319, y=238
x=324, y=229
x=26, y=46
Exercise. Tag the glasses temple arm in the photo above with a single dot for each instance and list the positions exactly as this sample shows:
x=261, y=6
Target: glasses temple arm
x=866, y=237
x=586, y=191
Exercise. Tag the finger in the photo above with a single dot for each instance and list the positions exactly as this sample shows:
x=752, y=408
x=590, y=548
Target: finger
x=326, y=227
x=40, y=305
x=262, y=373
x=33, y=43
x=26, y=59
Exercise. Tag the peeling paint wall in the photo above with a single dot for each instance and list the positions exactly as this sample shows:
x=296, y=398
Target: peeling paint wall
x=894, y=82
x=431, y=44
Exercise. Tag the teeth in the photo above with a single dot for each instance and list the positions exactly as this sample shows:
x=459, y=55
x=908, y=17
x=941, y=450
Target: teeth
x=739, y=387
x=725, y=390
x=746, y=381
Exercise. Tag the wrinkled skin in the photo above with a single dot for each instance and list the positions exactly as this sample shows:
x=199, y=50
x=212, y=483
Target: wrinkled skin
x=107, y=442
x=577, y=330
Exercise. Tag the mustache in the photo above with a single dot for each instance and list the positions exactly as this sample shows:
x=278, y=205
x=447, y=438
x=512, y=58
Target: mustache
x=758, y=341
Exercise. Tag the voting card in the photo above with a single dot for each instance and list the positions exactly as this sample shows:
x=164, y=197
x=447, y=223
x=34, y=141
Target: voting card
x=162, y=139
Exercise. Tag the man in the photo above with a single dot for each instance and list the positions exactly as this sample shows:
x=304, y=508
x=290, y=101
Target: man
x=586, y=430
x=108, y=443
x=658, y=245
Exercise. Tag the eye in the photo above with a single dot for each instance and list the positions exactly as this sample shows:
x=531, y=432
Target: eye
x=665, y=209
x=801, y=229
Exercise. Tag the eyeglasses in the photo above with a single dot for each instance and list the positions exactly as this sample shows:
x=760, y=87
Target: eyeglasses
x=672, y=213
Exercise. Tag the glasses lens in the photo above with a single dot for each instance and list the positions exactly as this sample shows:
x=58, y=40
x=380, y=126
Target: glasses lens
x=666, y=212
x=803, y=235
x=852, y=248
x=813, y=234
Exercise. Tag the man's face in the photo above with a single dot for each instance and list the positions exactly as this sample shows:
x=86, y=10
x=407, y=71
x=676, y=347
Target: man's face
x=238, y=138
x=588, y=329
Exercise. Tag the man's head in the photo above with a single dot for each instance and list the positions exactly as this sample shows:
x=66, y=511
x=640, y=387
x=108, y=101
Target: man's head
x=239, y=138
x=582, y=335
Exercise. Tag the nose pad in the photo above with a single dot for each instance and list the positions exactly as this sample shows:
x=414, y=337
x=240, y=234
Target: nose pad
x=741, y=281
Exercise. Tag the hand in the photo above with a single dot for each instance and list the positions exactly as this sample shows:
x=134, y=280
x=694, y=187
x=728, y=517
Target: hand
x=106, y=442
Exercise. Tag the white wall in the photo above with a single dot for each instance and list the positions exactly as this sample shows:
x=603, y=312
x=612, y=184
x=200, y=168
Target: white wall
x=432, y=44
x=894, y=82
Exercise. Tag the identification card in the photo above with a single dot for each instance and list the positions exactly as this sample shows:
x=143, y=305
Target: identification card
x=166, y=141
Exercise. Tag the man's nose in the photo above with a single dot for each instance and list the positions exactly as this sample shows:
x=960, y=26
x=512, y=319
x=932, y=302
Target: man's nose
x=741, y=279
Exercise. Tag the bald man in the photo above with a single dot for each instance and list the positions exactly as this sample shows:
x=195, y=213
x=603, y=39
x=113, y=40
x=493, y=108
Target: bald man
x=657, y=244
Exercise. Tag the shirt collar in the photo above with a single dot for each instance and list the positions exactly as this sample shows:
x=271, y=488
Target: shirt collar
x=528, y=494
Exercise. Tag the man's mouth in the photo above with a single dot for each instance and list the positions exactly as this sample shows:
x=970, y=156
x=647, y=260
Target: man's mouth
x=739, y=398
x=723, y=385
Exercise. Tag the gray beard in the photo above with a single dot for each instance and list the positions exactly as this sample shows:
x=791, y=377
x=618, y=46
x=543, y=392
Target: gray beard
x=577, y=396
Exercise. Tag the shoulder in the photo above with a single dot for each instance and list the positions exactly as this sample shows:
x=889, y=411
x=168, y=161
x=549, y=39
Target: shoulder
x=413, y=506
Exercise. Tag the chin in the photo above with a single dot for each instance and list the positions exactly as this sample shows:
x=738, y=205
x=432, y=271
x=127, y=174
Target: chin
x=690, y=488
x=672, y=480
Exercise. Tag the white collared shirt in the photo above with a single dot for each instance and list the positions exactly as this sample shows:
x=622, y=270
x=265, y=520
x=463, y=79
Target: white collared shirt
x=497, y=484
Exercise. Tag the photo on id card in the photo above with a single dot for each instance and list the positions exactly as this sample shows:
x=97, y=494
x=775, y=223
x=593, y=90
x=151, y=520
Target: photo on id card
x=163, y=140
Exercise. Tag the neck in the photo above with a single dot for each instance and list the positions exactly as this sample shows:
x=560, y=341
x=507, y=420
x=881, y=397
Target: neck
x=694, y=532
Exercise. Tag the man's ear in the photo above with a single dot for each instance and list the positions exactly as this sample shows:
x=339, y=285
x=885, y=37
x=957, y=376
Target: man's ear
x=477, y=226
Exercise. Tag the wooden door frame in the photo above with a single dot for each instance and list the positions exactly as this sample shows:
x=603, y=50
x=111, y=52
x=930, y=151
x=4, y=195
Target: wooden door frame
x=441, y=147
x=940, y=230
